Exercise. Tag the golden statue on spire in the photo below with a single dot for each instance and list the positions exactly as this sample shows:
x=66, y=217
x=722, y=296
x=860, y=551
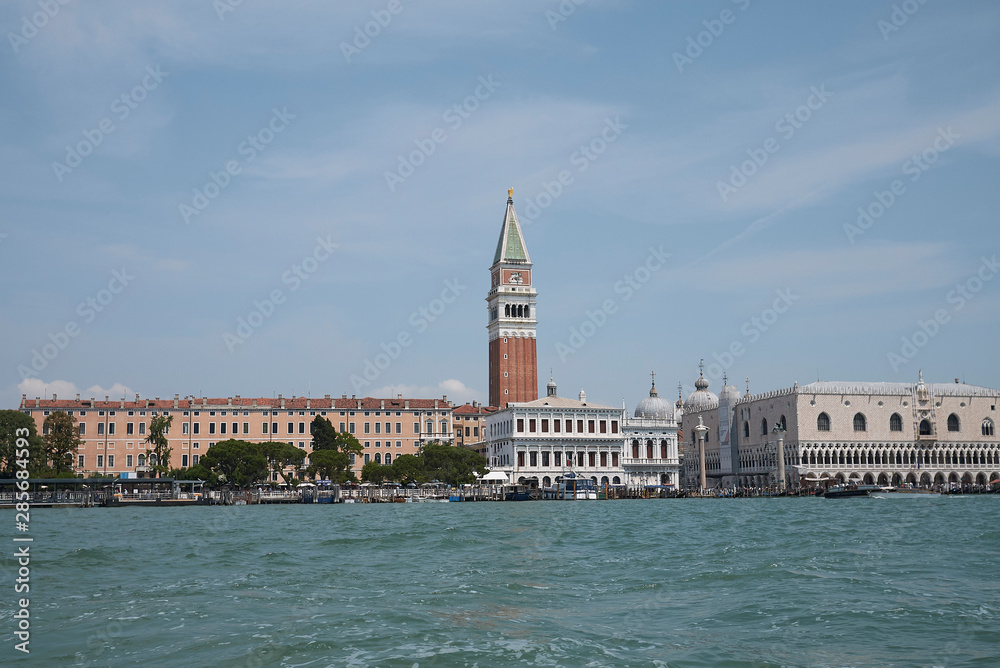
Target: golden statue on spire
x=510, y=193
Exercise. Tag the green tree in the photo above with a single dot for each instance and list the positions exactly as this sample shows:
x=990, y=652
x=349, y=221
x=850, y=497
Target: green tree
x=236, y=462
x=157, y=438
x=452, y=464
x=324, y=436
x=62, y=440
x=16, y=425
x=376, y=473
x=281, y=455
x=330, y=464
x=409, y=468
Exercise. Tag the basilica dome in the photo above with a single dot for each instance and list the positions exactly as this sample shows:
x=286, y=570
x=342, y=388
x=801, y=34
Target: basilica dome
x=701, y=399
x=654, y=407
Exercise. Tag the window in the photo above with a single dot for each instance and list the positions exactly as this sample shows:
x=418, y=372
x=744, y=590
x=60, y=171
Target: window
x=79, y=461
x=531, y=426
x=83, y=429
x=378, y=427
x=388, y=457
x=111, y=427
x=399, y=427
x=604, y=426
x=823, y=422
x=274, y=428
x=236, y=428
x=987, y=427
x=520, y=459
x=291, y=427
x=533, y=458
x=520, y=425
x=569, y=426
x=895, y=422
x=545, y=426
x=579, y=426
x=368, y=428
x=184, y=461
x=265, y=428
x=222, y=428
x=184, y=427
x=763, y=428
x=130, y=428
x=197, y=427
x=746, y=429
x=953, y=423
x=142, y=460
x=111, y=461
x=925, y=428
x=100, y=461
x=142, y=428
x=590, y=426
x=860, y=423
x=614, y=426
x=195, y=458
x=246, y=427
x=211, y=427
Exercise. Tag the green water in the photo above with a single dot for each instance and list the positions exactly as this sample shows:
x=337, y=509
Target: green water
x=748, y=582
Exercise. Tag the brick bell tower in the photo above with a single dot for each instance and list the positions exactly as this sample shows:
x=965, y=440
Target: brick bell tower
x=512, y=322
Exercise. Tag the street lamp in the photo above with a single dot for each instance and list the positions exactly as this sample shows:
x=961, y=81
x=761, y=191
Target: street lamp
x=701, y=430
x=779, y=429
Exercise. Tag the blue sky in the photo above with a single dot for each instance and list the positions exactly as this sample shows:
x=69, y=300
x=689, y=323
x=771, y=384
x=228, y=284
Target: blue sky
x=362, y=206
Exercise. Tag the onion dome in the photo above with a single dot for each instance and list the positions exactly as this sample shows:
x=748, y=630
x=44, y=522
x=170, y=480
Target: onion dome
x=701, y=399
x=654, y=407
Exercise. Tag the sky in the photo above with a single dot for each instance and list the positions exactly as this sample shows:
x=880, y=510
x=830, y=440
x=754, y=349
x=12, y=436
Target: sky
x=221, y=198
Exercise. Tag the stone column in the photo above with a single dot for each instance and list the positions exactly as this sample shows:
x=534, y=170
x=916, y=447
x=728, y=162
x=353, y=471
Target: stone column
x=701, y=430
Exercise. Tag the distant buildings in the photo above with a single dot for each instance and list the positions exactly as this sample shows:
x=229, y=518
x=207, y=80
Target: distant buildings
x=883, y=433
x=114, y=432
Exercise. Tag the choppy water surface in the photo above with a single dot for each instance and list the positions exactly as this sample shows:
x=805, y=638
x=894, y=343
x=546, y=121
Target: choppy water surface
x=748, y=582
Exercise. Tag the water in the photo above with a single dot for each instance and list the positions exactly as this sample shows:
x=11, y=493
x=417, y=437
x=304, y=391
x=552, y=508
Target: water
x=748, y=582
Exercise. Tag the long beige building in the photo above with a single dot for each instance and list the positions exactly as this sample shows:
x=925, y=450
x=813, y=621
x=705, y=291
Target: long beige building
x=114, y=431
x=927, y=434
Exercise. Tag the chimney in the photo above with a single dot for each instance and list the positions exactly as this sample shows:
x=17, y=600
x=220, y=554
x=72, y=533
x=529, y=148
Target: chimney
x=78, y=395
x=444, y=398
x=53, y=397
x=382, y=404
x=956, y=381
x=281, y=401
x=406, y=404
x=327, y=397
x=177, y=398
x=255, y=403
x=359, y=404
x=229, y=401
x=343, y=396
x=309, y=403
x=37, y=402
x=136, y=397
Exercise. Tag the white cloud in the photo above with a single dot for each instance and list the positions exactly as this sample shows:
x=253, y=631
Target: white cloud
x=456, y=391
x=36, y=387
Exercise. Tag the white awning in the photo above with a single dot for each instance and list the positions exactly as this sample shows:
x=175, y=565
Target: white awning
x=495, y=476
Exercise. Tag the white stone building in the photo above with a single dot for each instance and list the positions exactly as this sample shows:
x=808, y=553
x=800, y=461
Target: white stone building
x=927, y=434
x=650, y=455
x=553, y=435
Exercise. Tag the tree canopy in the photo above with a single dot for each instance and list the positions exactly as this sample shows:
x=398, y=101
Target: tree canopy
x=449, y=464
x=280, y=455
x=157, y=438
x=10, y=423
x=236, y=462
x=62, y=440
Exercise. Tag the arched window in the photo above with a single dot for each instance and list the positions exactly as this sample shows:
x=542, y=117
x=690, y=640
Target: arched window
x=663, y=449
x=649, y=449
x=987, y=427
x=953, y=423
x=520, y=310
x=860, y=424
x=527, y=311
x=746, y=429
x=763, y=426
x=506, y=310
x=635, y=449
x=895, y=422
x=823, y=422
x=925, y=428
x=378, y=457
x=142, y=460
x=388, y=458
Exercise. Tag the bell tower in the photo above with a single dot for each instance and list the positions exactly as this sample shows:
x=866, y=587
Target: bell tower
x=512, y=317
